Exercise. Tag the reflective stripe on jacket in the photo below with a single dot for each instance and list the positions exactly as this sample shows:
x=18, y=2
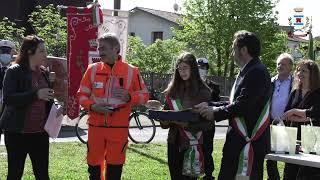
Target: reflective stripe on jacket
x=96, y=87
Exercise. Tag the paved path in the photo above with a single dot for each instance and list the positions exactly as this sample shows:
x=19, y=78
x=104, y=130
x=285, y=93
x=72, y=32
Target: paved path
x=67, y=133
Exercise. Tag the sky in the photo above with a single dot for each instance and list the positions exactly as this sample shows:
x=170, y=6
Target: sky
x=284, y=7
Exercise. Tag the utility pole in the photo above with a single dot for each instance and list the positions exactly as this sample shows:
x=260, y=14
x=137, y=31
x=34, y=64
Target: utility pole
x=310, y=47
x=116, y=6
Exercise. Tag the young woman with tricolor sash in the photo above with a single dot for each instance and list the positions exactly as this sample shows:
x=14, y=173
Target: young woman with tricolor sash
x=185, y=146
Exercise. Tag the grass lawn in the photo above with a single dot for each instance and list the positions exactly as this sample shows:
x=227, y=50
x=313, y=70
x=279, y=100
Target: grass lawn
x=144, y=162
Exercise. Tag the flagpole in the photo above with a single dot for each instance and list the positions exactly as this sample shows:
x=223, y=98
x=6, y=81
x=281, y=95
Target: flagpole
x=310, y=48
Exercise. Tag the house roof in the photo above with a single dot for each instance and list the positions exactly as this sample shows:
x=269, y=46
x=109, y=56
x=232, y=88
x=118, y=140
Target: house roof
x=297, y=39
x=317, y=38
x=170, y=16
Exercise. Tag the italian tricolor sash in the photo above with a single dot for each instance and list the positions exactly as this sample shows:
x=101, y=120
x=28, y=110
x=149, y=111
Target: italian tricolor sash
x=193, y=163
x=246, y=154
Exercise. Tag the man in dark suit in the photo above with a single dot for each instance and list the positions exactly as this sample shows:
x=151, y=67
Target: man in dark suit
x=248, y=136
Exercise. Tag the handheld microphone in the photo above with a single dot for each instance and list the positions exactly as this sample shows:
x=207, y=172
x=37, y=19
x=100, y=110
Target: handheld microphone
x=52, y=78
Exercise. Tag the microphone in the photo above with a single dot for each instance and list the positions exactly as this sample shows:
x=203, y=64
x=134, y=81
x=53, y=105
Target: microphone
x=52, y=78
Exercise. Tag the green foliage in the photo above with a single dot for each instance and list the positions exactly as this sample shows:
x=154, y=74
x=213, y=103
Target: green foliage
x=52, y=27
x=159, y=57
x=10, y=31
x=209, y=30
x=274, y=48
x=143, y=162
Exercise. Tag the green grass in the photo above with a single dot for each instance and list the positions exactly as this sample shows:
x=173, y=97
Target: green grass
x=144, y=162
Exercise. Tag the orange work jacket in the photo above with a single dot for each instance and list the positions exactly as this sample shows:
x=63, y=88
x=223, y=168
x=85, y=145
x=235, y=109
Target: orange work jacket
x=96, y=87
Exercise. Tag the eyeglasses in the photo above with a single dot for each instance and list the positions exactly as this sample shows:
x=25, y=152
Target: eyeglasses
x=204, y=61
x=183, y=69
x=5, y=50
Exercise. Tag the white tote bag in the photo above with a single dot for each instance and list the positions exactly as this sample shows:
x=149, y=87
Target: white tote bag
x=54, y=121
x=309, y=138
x=283, y=139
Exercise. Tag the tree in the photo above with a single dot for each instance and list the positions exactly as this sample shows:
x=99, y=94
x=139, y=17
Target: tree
x=10, y=31
x=159, y=57
x=275, y=47
x=208, y=27
x=52, y=27
x=310, y=47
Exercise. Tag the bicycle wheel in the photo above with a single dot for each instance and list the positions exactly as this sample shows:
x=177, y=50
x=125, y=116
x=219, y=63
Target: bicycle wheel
x=141, y=128
x=82, y=127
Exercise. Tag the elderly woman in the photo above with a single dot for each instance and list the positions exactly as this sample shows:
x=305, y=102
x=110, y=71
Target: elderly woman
x=304, y=103
x=27, y=102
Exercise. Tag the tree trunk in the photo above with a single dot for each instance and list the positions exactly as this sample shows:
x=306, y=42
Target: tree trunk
x=226, y=62
x=231, y=69
x=219, y=61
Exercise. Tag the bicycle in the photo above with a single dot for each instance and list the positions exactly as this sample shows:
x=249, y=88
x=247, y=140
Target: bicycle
x=142, y=129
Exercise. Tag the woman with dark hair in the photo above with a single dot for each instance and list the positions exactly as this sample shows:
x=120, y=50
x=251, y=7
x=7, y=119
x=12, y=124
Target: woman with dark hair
x=27, y=102
x=304, y=103
x=185, y=90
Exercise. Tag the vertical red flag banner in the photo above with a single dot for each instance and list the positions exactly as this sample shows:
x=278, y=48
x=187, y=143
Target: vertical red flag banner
x=82, y=35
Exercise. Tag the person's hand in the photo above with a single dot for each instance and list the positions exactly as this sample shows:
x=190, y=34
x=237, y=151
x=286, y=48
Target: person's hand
x=298, y=119
x=101, y=108
x=199, y=107
x=154, y=104
x=288, y=115
x=45, y=94
x=205, y=111
x=121, y=94
x=208, y=113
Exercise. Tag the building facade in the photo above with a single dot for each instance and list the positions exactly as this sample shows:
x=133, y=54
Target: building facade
x=150, y=24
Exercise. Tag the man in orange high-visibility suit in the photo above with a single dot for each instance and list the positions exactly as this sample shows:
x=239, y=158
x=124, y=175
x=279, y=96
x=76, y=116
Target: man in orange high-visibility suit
x=108, y=90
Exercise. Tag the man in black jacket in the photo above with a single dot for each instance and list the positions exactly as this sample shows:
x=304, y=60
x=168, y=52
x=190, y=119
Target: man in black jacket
x=208, y=135
x=248, y=135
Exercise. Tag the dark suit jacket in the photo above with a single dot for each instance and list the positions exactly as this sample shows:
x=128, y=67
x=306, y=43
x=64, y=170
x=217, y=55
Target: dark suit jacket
x=252, y=92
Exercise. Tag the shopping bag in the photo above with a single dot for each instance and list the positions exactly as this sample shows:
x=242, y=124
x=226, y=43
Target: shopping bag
x=193, y=161
x=283, y=139
x=54, y=121
x=242, y=177
x=317, y=146
x=309, y=138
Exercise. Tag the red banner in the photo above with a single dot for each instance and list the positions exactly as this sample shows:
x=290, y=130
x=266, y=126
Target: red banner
x=82, y=35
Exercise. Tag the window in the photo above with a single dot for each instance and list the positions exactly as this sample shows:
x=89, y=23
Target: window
x=156, y=35
x=132, y=34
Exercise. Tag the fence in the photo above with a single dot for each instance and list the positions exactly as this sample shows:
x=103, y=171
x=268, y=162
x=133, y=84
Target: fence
x=156, y=83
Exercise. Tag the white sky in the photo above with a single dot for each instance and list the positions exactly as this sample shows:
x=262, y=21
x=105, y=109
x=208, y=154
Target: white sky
x=284, y=7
